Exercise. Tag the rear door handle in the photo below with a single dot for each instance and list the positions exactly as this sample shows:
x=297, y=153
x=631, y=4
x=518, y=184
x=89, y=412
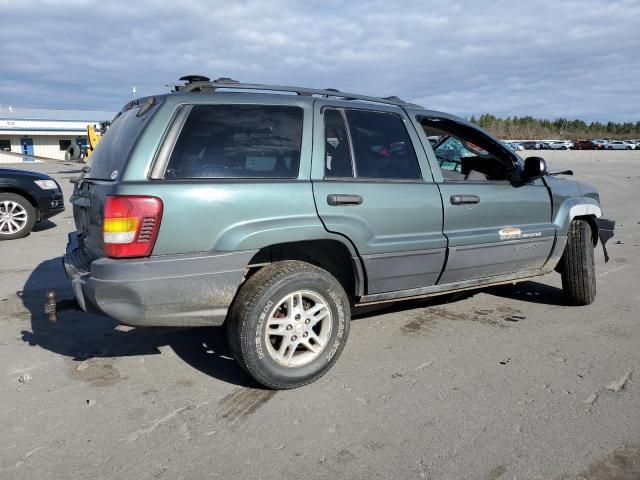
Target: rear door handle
x=464, y=199
x=334, y=199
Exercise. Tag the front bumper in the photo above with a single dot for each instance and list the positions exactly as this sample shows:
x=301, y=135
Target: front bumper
x=161, y=291
x=50, y=203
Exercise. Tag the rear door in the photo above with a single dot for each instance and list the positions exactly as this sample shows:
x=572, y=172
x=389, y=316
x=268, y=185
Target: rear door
x=373, y=187
x=495, y=224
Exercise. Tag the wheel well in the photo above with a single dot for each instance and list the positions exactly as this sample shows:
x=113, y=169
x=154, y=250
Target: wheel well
x=591, y=220
x=24, y=194
x=331, y=255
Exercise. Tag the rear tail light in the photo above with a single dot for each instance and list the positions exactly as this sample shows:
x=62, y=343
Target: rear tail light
x=130, y=225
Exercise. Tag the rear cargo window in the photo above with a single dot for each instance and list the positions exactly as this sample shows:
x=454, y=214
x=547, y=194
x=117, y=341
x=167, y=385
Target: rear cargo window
x=110, y=155
x=238, y=141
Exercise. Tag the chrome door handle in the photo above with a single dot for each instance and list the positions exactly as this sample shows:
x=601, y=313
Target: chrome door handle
x=334, y=199
x=464, y=199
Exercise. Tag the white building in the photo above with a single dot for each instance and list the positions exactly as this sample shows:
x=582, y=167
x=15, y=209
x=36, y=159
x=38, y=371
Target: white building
x=44, y=133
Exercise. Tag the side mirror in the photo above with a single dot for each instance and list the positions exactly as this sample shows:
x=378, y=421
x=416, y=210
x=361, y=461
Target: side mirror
x=534, y=167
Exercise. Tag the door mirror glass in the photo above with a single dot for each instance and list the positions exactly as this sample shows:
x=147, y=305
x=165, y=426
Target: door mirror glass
x=534, y=167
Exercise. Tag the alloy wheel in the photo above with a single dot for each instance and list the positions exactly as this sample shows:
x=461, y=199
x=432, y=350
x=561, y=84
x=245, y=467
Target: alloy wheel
x=13, y=217
x=298, y=329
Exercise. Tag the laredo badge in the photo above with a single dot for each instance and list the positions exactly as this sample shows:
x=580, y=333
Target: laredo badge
x=514, y=233
x=509, y=233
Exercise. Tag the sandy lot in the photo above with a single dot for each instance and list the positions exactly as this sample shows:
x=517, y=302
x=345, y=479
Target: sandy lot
x=505, y=382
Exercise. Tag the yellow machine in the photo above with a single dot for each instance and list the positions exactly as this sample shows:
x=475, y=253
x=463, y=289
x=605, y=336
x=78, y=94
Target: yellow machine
x=93, y=138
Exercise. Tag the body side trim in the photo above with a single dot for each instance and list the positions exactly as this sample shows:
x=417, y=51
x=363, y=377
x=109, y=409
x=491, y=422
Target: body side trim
x=447, y=288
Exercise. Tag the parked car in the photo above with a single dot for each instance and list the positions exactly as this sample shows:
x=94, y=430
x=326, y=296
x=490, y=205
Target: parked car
x=26, y=198
x=586, y=145
x=531, y=145
x=511, y=146
x=306, y=205
x=600, y=143
x=619, y=145
x=561, y=145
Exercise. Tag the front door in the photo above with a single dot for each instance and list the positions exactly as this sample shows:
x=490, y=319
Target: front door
x=495, y=224
x=27, y=149
x=373, y=187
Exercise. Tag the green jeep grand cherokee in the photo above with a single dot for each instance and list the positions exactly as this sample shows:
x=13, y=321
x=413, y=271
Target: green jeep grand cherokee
x=275, y=210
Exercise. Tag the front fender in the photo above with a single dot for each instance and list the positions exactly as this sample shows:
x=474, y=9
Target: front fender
x=575, y=207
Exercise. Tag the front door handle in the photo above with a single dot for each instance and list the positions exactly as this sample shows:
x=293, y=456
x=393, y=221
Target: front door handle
x=464, y=199
x=334, y=199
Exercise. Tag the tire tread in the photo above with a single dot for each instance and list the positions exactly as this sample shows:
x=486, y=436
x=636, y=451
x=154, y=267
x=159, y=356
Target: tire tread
x=578, y=269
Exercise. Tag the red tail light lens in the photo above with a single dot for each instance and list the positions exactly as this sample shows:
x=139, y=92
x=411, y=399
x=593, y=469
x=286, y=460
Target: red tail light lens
x=130, y=225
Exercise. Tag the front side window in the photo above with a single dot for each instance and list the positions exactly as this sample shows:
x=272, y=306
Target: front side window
x=238, y=141
x=466, y=154
x=381, y=146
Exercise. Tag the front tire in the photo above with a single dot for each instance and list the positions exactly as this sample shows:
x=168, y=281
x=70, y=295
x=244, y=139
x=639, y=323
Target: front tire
x=577, y=265
x=289, y=324
x=17, y=216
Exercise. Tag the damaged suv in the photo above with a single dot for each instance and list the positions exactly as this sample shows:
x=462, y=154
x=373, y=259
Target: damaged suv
x=275, y=210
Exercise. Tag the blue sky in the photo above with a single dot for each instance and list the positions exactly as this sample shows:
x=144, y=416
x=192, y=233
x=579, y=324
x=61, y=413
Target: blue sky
x=544, y=58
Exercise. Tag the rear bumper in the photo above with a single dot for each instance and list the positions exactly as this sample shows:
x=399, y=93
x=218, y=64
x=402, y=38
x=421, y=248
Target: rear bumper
x=161, y=291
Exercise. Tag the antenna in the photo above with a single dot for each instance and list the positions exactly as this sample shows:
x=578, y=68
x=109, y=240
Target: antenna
x=573, y=91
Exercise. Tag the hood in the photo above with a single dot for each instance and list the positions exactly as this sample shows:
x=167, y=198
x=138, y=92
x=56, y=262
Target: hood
x=565, y=187
x=14, y=173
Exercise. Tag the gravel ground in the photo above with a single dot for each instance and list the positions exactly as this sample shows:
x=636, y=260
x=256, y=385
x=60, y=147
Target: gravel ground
x=505, y=382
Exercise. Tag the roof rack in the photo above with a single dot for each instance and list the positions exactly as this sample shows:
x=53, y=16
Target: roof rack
x=200, y=83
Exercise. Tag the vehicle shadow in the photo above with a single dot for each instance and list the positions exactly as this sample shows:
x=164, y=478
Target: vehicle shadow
x=80, y=336
x=43, y=226
x=531, y=292
x=362, y=312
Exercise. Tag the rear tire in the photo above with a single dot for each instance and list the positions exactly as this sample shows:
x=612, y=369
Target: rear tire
x=289, y=324
x=17, y=216
x=577, y=265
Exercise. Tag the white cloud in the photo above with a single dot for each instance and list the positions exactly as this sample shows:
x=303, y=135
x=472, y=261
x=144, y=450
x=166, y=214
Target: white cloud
x=510, y=58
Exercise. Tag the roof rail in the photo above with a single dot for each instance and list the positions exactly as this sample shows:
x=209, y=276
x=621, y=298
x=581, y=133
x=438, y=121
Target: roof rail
x=199, y=83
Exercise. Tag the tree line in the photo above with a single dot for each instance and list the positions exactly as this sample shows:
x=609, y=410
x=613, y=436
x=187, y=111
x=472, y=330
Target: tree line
x=525, y=128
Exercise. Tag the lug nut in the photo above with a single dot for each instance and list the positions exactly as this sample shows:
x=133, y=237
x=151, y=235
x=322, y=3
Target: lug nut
x=307, y=321
x=294, y=338
x=298, y=317
x=289, y=327
x=305, y=334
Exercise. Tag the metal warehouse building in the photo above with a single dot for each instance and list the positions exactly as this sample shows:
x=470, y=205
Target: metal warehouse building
x=44, y=133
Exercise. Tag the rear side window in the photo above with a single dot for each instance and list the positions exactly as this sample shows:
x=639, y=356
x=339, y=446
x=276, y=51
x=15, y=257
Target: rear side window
x=337, y=151
x=111, y=154
x=381, y=146
x=238, y=141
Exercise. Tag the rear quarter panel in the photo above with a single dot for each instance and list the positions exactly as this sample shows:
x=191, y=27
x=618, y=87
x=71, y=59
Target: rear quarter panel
x=225, y=214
